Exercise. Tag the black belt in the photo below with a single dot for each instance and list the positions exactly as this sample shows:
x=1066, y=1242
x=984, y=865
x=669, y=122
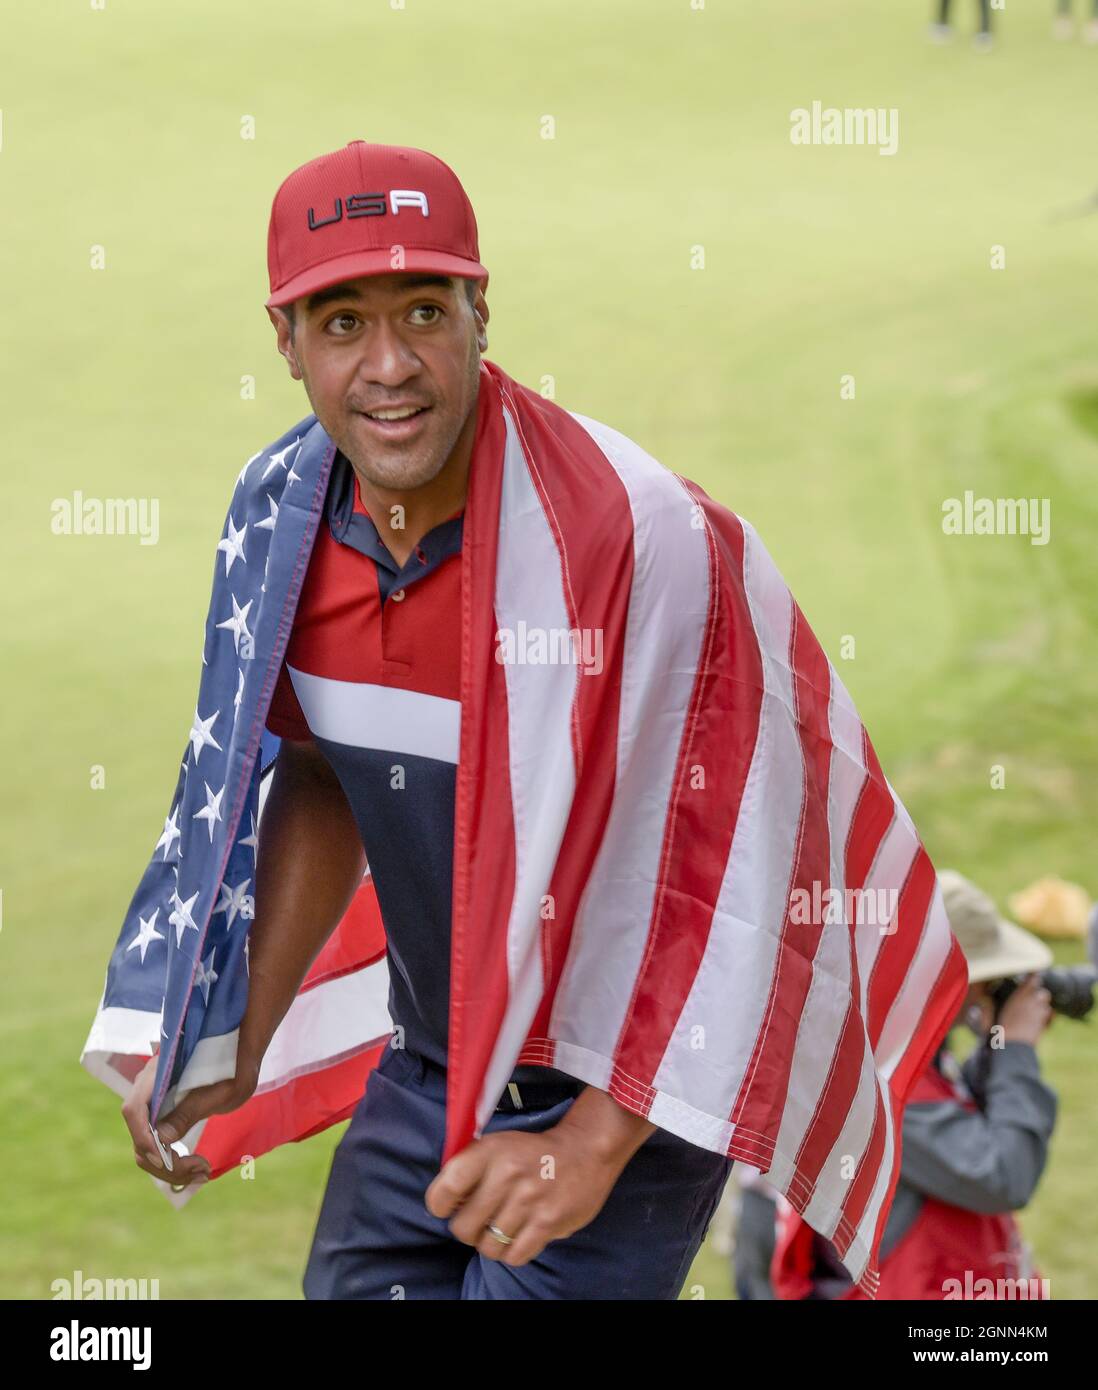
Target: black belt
x=523, y=1095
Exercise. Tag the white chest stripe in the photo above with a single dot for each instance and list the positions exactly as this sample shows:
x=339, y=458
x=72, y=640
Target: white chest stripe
x=360, y=715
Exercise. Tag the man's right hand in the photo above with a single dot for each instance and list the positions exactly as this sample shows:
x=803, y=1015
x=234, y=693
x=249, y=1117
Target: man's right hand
x=216, y=1099
x=1027, y=1013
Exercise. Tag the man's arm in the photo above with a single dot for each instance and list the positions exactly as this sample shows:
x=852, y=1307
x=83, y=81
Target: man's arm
x=987, y=1161
x=310, y=863
x=309, y=866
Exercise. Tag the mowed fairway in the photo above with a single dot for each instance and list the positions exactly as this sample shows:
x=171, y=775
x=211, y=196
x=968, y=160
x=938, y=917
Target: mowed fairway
x=121, y=130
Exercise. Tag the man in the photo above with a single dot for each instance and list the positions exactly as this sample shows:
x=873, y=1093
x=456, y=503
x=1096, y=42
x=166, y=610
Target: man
x=548, y=827
x=975, y=1138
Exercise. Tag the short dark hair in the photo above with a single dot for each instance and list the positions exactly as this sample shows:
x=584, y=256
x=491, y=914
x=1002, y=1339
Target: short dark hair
x=471, y=287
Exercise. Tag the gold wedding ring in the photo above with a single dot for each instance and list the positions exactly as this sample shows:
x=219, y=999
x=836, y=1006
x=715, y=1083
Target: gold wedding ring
x=495, y=1231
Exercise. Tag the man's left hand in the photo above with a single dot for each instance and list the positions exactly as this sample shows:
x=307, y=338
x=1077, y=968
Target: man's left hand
x=536, y=1188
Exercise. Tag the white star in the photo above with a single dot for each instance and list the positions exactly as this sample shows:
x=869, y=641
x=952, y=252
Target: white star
x=171, y=832
x=181, y=918
x=200, y=735
x=268, y=524
x=238, y=623
x=239, y=689
x=205, y=976
x=212, y=810
x=146, y=934
x=234, y=900
x=240, y=476
x=233, y=545
x=252, y=840
x=277, y=461
x=247, y=957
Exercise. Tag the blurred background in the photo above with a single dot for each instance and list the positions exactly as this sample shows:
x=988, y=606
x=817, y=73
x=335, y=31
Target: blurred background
x=824, y=336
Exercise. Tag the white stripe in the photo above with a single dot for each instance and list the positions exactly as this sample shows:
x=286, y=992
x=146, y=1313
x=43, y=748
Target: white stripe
x=909, y=1004
x=823, y=1016
x=729, y=994
x=857, y=1255
x=360, y=715
x=900, y=1027
x=530, y=591
x=890, y=868
x=325, y=1022
x=661, y=650
x=328, y=1021
x=840, y=1167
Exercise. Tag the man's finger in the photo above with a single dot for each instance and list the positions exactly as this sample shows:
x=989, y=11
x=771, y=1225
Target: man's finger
x=511, y=1220
x=456, y=1181
x=490, y=1194
x=217, y=1098
x=186, y=1170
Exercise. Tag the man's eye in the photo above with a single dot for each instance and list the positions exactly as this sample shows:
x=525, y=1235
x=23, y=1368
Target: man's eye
x=340, y=318
x=427, y=309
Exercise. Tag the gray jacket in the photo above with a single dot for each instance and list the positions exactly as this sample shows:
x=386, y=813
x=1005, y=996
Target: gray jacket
x=988, y=1160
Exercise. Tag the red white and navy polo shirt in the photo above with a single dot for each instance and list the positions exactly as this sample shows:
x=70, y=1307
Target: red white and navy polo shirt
x=372, y=674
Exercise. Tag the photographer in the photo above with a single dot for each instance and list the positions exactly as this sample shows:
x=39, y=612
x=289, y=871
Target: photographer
x=975, y=1137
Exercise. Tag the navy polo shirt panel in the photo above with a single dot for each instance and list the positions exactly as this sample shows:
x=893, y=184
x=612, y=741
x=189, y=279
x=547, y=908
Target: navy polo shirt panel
x=354, y=526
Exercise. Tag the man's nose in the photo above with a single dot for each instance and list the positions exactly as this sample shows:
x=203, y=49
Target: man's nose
x=386, y=356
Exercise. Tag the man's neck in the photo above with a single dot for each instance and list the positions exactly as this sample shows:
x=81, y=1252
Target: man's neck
x=403, y=518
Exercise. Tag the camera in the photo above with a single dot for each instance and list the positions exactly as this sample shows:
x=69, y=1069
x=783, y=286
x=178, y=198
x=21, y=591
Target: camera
x=1071, y=988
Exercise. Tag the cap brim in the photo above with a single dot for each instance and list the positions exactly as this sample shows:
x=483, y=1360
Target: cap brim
x=1019, y=953
x=350, y=267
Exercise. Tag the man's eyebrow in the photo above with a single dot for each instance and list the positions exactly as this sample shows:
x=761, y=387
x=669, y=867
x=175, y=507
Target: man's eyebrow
x=346, y=290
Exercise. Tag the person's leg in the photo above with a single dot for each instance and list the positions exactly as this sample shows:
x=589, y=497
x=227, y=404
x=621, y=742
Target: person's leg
x=940, y=31
x=1063, y=25
x=374, y=1238
x=755, y=1241
x=641, y=1244
x=985, y=16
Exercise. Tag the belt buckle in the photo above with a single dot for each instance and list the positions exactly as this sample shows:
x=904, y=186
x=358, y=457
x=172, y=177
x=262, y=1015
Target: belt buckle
x=516, y=1097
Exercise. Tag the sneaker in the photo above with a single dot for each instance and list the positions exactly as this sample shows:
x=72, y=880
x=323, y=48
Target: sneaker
x=1090, y=33
x=940, y=33
x=1063, y=27
x=983, y=41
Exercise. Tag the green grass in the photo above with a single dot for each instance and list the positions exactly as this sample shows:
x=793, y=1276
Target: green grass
x=121, y=129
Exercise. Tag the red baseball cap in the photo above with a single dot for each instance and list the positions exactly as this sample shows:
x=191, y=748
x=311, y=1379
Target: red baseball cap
x=368, y=210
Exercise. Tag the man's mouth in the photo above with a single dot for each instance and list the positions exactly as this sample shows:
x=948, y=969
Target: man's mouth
x=395, y=422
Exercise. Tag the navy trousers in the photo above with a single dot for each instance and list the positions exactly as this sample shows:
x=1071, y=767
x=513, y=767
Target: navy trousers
x=375, y=1239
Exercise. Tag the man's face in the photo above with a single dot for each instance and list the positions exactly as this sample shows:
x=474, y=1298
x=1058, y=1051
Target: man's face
x=383, y=342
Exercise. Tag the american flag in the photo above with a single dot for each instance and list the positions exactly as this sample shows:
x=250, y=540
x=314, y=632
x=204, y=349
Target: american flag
x=639, y=824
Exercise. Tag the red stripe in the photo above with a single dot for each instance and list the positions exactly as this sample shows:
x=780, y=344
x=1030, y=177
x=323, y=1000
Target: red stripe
x=865, y=1180
x=932, y=1025
x=941, y=1009
x=294, y=1111
x=484, y=849
x=871, y=820
x=718, y=739
x=898, y=950
x=604, y=555
x=761, y=1102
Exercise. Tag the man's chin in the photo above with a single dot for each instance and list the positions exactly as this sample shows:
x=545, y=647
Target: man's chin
x=395, y=470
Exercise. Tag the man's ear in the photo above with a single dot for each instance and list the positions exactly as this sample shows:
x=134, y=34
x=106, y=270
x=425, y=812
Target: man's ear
x=480, y=310
x=285, y=341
